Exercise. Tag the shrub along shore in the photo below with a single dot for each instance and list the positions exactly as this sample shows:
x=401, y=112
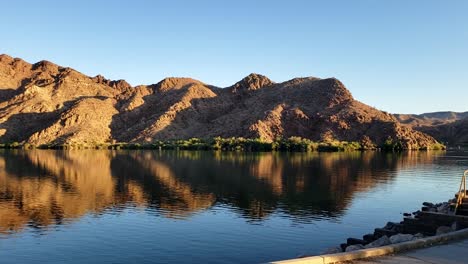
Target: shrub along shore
x=292, y=144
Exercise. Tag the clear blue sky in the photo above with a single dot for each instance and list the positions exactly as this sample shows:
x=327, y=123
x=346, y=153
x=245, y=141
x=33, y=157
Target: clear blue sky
x=399, y=56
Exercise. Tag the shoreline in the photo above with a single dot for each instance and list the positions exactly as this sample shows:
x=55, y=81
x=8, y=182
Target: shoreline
x=434, y=224
x=292, y=144
x=379, y=251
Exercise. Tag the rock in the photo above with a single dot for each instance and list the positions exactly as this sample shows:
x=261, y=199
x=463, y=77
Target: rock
x=428, y=204
x=443, y=208
x=343, y=246
x=354, y=248
x=456, y=226
x=333, y=250
x=355, y=241
x=407, y=214
x=397, y=228
x=399, y=238
x=390, y=225
x=443, y=230
x=383, y=241
x=384, y=232
x=369, y=238
x=418, y=236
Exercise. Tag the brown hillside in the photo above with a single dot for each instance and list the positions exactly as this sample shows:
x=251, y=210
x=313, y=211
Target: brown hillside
x=430, y=119
x=448, y=127
x=454, y=133
x=44, y=103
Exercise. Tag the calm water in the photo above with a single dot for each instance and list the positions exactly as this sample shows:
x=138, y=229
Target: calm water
x=194, y=207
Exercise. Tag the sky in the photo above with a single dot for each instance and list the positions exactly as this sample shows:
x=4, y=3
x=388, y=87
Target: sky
x=398, y=56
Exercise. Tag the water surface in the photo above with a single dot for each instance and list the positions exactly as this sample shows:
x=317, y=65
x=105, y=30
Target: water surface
x=192, y=207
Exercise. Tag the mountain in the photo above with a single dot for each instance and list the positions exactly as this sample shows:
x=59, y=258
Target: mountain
x=453, y=134
x=43, y=103
x=431, y=119
x=448, y=127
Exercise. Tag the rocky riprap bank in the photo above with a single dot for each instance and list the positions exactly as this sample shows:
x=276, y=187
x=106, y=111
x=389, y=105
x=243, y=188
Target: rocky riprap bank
x=431, y=220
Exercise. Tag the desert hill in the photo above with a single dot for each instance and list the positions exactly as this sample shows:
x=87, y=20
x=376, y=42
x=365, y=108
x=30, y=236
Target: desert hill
x=448, y=127
x=43, y=103
x=453, y=134
x=431, y=119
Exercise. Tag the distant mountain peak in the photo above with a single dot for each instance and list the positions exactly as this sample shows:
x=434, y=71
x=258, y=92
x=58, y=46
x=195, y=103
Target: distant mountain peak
x=116, y=84
x=175, y=83
x=251, y=82
x=5, y=57
x=45, y=65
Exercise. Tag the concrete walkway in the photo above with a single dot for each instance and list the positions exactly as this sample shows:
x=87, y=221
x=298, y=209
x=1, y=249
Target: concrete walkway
x=454, y=253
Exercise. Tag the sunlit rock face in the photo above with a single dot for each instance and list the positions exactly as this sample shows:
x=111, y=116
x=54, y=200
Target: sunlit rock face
x=41, y=188
x=44, y=103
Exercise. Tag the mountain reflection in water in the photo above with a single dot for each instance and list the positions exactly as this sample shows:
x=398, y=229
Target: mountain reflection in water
x=40, y=188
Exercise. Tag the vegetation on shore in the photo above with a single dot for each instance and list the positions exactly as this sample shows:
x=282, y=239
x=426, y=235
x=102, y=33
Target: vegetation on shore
x=292, y=144
x=395, y=145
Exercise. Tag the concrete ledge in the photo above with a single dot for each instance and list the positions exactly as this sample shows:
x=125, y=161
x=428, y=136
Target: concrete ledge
x=380, y=251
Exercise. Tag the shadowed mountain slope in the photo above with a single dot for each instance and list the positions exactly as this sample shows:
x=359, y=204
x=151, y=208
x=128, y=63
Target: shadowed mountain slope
x=431, y=119
x=448, y=127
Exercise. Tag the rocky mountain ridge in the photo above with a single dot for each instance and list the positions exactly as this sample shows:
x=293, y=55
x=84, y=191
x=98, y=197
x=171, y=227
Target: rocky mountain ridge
x=448, y=127
x=431, y=119
x=43, y=103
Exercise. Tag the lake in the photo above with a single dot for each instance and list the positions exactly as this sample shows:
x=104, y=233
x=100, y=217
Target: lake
x=100, y=206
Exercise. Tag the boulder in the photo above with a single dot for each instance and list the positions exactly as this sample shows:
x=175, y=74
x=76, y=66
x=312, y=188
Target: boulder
x=443, y=208
x=417, y=212
x=390, y=226
x=418, y=236
x=399, y=238
x=343, y=246
x=384, y=232
x=355, y=241
x=383, y=241
x=332, y=250
x=443, y=230
x=456, y=226
x=428, y=204
x=369, y=238
x=354, y=247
